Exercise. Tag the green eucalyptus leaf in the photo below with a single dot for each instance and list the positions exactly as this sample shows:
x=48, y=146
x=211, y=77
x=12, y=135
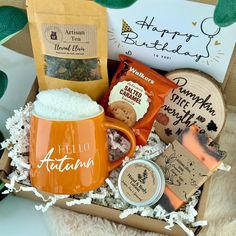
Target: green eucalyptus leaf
x=12, y=20
x=116, y=3
x=1, y=140
x=3, y=83
x=8, y=37
x=225, y=13
x=1, y=152
x=1, y=188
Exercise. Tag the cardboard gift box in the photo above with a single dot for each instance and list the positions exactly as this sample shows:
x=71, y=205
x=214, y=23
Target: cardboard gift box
x=143, y=223
x=21, y=43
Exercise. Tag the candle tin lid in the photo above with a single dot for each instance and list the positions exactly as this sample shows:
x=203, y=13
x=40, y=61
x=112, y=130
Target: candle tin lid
x=141, y=182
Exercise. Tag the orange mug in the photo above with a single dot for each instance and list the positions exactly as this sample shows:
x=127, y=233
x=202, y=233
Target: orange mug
x=70, y=157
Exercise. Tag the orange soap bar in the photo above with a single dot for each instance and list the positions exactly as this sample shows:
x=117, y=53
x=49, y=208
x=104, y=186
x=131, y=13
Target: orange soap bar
x=199, y=144
x=187, y=163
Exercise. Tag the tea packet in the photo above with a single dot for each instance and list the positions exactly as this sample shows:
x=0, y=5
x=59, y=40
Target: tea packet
x=69, y=40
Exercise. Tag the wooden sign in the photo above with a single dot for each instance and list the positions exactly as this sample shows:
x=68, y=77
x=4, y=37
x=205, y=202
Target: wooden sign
x=198, y=100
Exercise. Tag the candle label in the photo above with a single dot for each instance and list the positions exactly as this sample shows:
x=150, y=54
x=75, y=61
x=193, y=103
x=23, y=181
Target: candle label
x=138, y=182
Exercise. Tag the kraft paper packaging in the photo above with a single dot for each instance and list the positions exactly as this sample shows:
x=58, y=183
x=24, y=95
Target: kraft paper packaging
x=187, y=163
x=69, y=40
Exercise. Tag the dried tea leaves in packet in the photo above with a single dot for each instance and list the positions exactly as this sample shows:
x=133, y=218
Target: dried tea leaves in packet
x=136, y=95
x=69, y=40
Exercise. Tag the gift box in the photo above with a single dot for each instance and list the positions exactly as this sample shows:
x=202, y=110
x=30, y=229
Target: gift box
x=22, y=44
x=141, y=222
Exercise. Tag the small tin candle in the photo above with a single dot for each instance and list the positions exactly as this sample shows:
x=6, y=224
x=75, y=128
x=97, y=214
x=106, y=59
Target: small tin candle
x=141, y=182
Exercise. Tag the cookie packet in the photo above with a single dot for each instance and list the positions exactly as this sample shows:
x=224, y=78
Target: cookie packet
x=135, y=96
x=69, y=40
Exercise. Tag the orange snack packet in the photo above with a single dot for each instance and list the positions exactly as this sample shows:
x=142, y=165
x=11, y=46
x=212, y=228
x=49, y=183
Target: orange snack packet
x=135, y=96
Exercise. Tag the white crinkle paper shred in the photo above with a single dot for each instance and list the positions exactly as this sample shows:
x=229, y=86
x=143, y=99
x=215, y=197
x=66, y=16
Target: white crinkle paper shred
x=51, y=201
x=87, y=200
x=224, y=167
x=107, y=195
x=18, y=143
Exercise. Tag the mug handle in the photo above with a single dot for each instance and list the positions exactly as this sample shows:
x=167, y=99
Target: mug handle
x=121, y=126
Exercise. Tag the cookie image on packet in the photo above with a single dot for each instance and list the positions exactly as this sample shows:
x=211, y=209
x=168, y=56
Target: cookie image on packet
x=123, y=111
x=128, y=102
x=135, y=96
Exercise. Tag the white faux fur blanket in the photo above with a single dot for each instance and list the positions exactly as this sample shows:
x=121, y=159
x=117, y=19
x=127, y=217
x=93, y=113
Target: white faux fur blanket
x=220, y=212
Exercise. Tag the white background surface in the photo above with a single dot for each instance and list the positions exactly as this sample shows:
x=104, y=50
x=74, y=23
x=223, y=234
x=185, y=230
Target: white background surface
x=21, y=74
x=18, y=217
